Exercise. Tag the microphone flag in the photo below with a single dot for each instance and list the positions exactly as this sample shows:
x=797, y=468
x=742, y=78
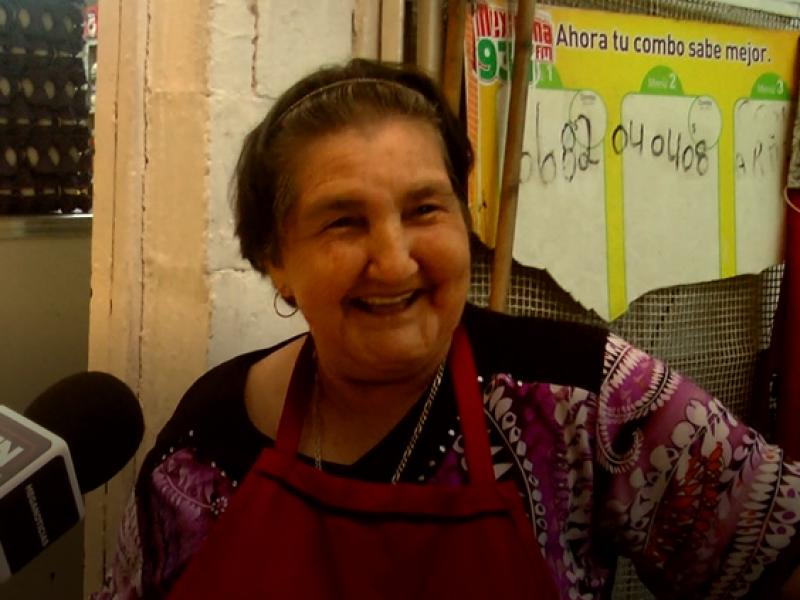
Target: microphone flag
x=40, y=499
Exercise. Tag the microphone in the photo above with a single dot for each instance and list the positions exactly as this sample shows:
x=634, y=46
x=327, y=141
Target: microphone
x=74, y=437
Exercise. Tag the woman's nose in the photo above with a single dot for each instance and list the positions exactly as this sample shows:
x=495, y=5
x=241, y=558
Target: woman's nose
x=390, y=254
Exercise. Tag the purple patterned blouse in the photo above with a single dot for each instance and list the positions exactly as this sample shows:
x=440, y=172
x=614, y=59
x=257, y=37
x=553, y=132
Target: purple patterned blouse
x=613, y=454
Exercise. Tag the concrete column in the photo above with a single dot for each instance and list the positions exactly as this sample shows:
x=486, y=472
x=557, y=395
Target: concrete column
x=150, y=316
x=117, y=272
x=179, y=85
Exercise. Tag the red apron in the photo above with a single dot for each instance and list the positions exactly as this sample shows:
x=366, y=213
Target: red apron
x=292, y=531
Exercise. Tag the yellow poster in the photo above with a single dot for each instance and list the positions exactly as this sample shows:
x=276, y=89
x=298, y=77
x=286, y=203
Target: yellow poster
x=654, y=151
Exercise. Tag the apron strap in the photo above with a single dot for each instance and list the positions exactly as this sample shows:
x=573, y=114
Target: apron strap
x=297, y=402
x=470, y=407
x=468, y=397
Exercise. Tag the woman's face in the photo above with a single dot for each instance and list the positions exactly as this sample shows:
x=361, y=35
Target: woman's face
x=375, y=250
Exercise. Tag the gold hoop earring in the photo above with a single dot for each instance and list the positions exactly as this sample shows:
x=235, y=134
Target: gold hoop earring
x=277, y=310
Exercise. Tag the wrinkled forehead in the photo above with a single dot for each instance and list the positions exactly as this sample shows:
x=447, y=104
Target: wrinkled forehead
x=365, y=147
x=305, y=148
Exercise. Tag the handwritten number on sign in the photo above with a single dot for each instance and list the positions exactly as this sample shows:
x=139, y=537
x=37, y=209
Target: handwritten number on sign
x=548, y=158
x=684, y=157
x=576, y=143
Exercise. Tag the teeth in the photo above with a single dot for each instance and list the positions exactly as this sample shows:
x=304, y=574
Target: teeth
x=387, y=300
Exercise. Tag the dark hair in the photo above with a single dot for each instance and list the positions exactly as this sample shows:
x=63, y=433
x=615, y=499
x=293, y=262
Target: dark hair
x=329, y=100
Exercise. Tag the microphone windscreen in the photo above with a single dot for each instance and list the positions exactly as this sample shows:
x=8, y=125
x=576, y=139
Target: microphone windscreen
x=99, y=418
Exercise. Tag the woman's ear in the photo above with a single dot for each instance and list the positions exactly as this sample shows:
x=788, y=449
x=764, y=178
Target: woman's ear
x=279, y=279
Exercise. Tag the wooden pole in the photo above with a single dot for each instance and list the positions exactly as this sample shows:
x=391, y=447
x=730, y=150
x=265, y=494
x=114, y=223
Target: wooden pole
x=367, y=29
x=453, y=69
x=429, y=37
x=393, y=14
x=509, y=191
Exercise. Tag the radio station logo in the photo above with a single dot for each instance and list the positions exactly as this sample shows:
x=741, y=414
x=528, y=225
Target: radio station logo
x=495, y=34
x=19, y=446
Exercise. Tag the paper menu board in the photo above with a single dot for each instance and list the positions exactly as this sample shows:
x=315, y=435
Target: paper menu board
x=630, y=176
x=760, y=144
x=562, y=188
x=669, y=227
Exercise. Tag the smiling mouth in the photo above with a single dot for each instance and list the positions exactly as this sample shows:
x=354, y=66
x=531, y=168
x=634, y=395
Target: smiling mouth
x=384, y=305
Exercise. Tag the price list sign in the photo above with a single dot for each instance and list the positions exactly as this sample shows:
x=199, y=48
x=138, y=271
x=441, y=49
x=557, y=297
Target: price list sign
x=654, y=150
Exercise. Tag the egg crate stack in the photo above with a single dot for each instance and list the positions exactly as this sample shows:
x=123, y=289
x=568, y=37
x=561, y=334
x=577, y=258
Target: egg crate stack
x=45, y=153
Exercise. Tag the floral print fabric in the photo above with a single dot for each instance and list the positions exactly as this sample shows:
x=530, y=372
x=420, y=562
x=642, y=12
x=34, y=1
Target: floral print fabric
x=650, y=467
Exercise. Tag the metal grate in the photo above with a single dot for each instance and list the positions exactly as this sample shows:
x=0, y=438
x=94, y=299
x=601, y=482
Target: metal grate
x=695, y=10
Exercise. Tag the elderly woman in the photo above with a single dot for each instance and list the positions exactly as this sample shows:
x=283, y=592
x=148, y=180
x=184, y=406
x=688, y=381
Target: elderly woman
x=413, y=445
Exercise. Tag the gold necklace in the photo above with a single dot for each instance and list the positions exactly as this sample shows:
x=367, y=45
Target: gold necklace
x=423, y=417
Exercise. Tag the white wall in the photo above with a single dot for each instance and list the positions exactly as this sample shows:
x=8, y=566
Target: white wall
x=257, y=52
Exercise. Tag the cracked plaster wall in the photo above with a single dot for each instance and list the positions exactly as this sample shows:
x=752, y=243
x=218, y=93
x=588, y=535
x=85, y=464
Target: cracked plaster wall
x=258, y=49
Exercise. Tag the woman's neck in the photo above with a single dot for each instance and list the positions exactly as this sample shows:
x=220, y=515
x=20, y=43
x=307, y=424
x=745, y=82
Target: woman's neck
x=373, y=398
x=355, y=414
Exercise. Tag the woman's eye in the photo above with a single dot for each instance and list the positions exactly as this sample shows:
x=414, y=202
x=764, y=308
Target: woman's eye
x=342, y=222
x=425, y=209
